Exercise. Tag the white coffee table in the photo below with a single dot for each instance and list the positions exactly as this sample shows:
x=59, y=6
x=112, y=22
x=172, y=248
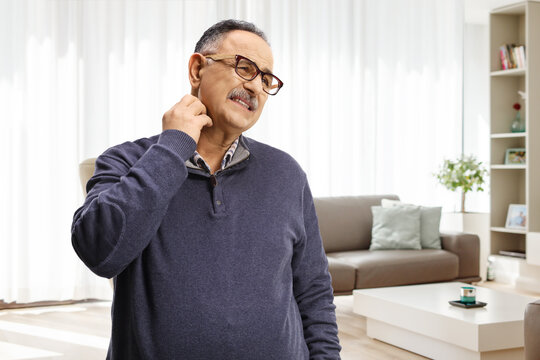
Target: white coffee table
x=420, y=319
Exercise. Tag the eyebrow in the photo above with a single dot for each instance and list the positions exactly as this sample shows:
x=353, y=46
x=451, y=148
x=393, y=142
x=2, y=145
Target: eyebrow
x=266, y=70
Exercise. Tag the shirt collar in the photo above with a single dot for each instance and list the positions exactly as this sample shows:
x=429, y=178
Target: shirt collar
x=198, y=160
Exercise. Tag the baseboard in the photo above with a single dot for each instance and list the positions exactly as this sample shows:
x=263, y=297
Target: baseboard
x=16, y=305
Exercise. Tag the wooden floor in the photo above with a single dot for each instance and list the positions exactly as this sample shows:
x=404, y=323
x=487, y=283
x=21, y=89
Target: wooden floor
x=78, y=331
x=81, y=332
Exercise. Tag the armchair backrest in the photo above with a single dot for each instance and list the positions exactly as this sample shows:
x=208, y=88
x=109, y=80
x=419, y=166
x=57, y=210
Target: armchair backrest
x=86, y=170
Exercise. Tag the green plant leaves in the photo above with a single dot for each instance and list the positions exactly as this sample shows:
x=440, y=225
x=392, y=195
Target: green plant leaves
x=465, y=174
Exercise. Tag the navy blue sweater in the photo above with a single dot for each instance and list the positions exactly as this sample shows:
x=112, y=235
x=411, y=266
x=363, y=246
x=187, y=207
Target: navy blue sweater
x=224, y=267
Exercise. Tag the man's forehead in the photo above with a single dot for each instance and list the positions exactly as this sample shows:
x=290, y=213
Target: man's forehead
x=250, y=45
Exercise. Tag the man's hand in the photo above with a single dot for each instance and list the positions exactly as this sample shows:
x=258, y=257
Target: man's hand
x=188, y=115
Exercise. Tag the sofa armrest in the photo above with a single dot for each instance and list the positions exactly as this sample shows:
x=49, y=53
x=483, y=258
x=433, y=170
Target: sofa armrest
x=467, y=248
x=532, y=331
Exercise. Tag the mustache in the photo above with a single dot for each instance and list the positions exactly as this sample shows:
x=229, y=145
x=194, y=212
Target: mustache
x=244, y=96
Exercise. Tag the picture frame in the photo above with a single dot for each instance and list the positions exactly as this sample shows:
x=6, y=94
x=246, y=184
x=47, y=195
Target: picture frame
x=515, y=156
x=516, y=217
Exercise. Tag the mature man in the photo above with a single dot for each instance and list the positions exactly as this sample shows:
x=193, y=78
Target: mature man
x=212, y=237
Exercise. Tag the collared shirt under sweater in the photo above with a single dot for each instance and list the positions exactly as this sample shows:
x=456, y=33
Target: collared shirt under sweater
x=198, y=160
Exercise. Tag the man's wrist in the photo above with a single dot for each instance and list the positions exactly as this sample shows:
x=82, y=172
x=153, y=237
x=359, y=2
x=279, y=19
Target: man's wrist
x=179, y=142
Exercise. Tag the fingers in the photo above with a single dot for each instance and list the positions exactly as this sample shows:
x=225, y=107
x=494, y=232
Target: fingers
x=187, y=115
x=207, y=120
x=186, y=101
x=197, y=107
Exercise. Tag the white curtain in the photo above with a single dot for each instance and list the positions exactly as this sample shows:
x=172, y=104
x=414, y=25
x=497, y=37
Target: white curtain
x=374, y=101
x=371, y=104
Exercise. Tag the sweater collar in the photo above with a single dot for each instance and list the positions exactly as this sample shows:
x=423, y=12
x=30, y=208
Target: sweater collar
x=240, y=154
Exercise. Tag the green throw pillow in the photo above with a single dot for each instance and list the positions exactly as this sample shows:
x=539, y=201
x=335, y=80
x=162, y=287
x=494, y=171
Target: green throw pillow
x=430, y=220
x=395, y=228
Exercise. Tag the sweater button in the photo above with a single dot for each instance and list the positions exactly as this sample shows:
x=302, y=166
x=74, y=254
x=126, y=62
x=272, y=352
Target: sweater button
x=218, y=202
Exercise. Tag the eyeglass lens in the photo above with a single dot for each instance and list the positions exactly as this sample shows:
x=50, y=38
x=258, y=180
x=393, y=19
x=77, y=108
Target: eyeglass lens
x=248, y=70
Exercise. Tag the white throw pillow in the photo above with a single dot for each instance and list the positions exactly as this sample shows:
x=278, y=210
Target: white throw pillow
x=430, y=220
x=395, y=228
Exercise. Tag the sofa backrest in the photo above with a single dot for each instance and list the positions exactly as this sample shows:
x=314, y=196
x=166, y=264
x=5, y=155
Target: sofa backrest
x=345, y=222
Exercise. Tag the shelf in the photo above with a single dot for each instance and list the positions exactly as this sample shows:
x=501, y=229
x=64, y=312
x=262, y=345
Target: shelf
x=509, y=167
x=517, y=24
x=509, y=72
x=512, y=9
x=495, y=257
x=508, y=135
x=507, y=230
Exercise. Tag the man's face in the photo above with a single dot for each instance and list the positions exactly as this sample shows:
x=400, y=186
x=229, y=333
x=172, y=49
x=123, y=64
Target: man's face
x=224, y=93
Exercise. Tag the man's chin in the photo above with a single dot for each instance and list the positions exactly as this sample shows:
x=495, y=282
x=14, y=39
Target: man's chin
x=241, y=124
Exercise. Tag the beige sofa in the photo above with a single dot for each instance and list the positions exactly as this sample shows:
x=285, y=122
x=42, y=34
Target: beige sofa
x=345, y=224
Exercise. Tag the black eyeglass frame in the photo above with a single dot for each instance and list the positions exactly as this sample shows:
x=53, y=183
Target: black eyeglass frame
x=218, y=57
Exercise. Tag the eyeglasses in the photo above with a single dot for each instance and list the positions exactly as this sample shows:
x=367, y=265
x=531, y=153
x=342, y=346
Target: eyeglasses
x=248, y=70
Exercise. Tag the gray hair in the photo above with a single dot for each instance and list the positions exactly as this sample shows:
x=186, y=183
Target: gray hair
x=211, y=39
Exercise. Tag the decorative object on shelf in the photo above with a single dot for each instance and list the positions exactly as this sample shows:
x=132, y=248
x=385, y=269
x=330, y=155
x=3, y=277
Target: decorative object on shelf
x=515, y=156
x=465, y=174
x=517, y=216
x=512, y=56
x=518, y=124
x=514, y=253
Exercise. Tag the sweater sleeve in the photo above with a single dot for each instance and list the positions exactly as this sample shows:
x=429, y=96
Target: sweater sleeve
x=127, y=199
x=313, y=288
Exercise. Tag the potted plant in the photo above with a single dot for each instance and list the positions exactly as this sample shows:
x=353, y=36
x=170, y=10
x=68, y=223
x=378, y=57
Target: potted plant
x=465, y=174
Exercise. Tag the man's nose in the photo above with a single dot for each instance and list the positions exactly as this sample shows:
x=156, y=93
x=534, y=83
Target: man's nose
x=254, y=86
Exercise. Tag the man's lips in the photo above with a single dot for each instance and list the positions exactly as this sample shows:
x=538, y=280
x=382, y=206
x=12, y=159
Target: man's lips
x=242, y=102
x=242, y=98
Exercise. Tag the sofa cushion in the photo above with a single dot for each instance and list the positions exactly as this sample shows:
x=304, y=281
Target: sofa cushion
x=343, y=275
x=345, y=222
x=397, y=227
x=399, y=267
x=430, y=219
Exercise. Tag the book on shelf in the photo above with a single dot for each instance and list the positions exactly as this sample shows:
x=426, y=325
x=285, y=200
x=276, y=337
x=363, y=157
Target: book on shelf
x=512, y=56
x=513, y=253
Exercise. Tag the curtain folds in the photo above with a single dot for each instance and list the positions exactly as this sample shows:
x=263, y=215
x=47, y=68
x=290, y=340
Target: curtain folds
x=371, y=104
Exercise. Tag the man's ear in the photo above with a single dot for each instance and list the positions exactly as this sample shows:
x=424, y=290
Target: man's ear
x=196, y=64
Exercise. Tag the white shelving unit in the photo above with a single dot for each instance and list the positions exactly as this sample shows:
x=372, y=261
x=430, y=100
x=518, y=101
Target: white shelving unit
x=515, y=184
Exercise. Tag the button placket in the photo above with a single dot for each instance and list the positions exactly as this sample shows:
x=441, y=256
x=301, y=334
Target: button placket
x=217, y=192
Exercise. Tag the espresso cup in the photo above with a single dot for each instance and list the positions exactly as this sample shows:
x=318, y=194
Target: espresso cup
x=468, y=295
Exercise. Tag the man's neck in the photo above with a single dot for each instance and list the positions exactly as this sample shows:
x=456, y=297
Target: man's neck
x=212, y=146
